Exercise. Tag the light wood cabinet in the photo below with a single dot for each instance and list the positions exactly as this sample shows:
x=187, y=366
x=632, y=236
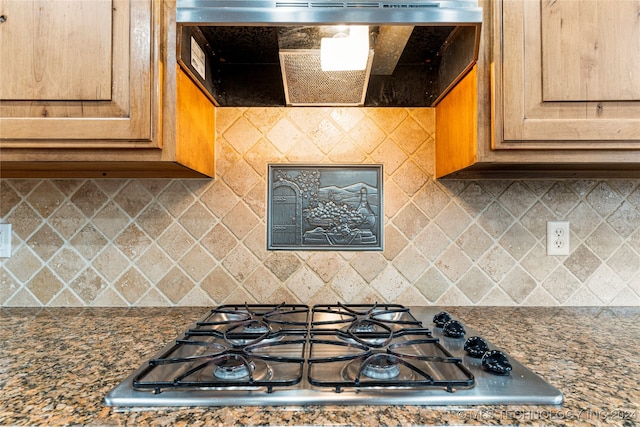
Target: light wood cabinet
x=92, y=91
x=557, y=93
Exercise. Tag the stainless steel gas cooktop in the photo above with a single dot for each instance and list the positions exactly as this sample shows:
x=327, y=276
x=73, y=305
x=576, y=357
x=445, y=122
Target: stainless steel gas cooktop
x=334, y=354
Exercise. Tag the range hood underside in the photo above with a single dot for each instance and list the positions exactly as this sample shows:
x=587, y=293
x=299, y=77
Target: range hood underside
x=243, y=65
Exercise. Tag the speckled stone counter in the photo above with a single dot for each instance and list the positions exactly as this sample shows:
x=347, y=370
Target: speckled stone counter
x=56, y=365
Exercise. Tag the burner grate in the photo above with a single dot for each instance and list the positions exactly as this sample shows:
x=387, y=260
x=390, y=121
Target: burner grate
x=249, y=347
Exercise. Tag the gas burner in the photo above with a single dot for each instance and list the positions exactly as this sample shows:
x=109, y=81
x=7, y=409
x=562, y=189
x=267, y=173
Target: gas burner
x=363, y=326
x=255, y=327
x=378, y=369
x=381, y=367
x=233, y=369
x=367, y=332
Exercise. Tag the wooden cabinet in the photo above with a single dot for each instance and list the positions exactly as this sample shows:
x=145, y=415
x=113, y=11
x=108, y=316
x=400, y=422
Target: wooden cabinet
x=557, y=93
x=91, y=90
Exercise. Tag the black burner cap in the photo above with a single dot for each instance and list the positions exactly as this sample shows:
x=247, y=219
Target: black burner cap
x=496, y=362
x=453, y=329
x=441, y=318
x=476, y=347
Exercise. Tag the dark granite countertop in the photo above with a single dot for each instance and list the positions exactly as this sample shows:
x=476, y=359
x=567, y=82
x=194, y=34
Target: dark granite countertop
x=57, y=364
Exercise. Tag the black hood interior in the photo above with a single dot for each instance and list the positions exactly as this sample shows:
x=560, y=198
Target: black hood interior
x=243, y=66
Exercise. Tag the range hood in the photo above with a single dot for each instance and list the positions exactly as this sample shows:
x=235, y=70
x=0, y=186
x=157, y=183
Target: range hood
x=249, y=53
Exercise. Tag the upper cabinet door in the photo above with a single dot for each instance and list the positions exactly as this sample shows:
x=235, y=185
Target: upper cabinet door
x=570, y=74
x=74, y=71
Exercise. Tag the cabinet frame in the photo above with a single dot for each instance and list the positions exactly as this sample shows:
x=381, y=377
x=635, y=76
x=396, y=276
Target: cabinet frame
x=124, y=121
x=524, y=119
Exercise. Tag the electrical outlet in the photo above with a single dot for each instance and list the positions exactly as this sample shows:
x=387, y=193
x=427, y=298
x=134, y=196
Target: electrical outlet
x=557, y=237
x=5, y=240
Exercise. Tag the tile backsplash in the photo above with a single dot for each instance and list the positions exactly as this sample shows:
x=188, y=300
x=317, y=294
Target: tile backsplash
x=163, y=242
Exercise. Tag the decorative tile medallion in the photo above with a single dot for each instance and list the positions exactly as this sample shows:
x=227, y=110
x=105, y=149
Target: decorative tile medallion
x=320, y=207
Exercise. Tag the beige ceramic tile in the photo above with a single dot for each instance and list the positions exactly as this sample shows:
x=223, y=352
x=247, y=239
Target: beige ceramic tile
x=453, y=263
x=518, y=284
x=240, y=220
x=132, y=285
x=582, y=262
x=517, y=199
x=219, y=198
x=306, y=119
x=219, y=285
x=410, y=221
x=561, y=284
x=45, y=242
x=175, y=285
x=176, y=198
x=176, y=241
x=390, y=155
x=517, y=241
x=410, y=177
x=367, y=134
x=368, y=264
x=242, y=134
x=605, y=284
x=625, y=219
x=240, y=262
x=304, y=284
x=133, y=242
x=24, y=220
x=241, y=177
x=411, y=263
x=197, y=263
x=347, y=283
x=411, y=297
x=474, y=284
x=388, y=118
x=66, y=298
x=117, y=242
x=432, y=284
x=285, y=136
x=45, y=199
x=197, y=220
x=133, y=198
x=347, y=118
x=219, y=241
x=154, y=263
x=23, y=264
x=88, y=285
x=560, y=199
x=111, y=220
x=8, y=198
x=8, y=286
x=389, y=283
x=111, y=263
x=282, y=264
x=45, y=285
x=410, y=135
x=154, y=220
x=262, y=284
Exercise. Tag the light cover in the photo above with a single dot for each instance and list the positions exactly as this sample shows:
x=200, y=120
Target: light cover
x=346, y=53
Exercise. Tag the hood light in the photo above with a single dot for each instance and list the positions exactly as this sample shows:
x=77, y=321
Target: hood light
x=346, y=52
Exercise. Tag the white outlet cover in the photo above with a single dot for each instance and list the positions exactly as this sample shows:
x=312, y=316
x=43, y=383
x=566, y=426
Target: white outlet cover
x=5, y=240
x=558, y=238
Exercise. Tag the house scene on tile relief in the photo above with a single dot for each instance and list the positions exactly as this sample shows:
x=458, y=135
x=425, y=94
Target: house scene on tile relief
x=147, y=242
